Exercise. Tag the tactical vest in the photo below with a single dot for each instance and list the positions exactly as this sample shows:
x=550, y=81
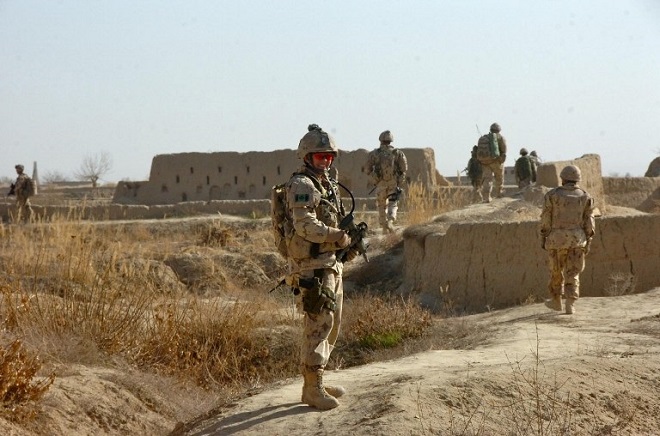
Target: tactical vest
x=568, y=208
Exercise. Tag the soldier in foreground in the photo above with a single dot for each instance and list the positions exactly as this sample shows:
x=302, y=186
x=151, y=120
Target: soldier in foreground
x=315, y=210
x=23, y=188
x=567, y=226
x=387, y=167
x=491, y=152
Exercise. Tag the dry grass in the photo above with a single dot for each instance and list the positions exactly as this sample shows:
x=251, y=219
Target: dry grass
x=20, y=388
x=108, y=286
x=422, y=204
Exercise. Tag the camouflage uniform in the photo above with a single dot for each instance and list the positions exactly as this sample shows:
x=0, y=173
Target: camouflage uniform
x=315, y=209
x=21, y=189
x=525, y=170
x=387, y=167
x=476, y=175
x=493, y=168
x=567, y=226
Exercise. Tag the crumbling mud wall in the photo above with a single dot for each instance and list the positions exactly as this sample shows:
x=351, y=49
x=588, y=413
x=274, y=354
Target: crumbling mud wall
x=592, y=180
x=478, y=267
x=654, y=168
x=634, y=192
x=187, y=177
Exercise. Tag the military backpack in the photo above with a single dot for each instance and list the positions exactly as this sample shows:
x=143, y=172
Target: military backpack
x=488, y=149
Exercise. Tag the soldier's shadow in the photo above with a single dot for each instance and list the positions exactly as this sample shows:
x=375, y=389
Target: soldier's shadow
x=242, y=422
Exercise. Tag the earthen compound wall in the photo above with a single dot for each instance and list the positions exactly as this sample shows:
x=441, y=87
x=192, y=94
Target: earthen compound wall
x=484, y=266
x=184, y=177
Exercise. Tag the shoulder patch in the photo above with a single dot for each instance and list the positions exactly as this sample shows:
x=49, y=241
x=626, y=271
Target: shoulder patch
x=301, y=198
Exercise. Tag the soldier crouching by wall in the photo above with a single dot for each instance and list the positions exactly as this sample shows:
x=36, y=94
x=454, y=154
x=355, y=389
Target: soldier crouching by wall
x=567, y=226
x=315, y=209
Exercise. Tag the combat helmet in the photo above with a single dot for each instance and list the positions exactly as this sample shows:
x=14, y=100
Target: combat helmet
x=495, y=128
x=571, y=173
x=523, y=151
x=386, y=136
x=316, y=141
x=19, y=167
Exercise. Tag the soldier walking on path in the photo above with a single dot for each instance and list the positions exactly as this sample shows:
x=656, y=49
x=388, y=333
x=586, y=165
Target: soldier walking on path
x=567, y=227
x=387, y=167
x=491, y=152
x=23, y=188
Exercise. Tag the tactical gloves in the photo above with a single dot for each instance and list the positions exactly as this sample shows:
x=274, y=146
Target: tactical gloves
x=339, y=237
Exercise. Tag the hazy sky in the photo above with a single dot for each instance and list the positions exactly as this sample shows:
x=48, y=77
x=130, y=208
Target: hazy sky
x=137, y=78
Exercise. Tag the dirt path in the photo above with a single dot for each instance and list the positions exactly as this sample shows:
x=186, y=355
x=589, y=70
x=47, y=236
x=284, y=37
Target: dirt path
x=602, y=370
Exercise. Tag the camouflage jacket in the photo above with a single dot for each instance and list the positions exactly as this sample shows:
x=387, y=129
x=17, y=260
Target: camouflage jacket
x=314, y=206
x=387, y=163
x=21, y=186
x=567, y=219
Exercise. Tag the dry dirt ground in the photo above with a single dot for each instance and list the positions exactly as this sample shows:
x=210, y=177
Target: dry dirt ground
x=595, y=372
x=541, y=372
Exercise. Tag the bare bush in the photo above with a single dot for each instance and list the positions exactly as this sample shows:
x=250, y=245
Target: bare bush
x=20, y=388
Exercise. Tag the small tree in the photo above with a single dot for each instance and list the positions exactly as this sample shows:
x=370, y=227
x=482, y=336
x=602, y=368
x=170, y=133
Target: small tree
x=53, y=177
x=94, y=168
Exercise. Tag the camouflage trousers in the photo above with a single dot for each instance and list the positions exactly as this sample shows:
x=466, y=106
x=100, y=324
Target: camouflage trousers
x=23, y=209
x=387, y=209
x=320, y=331
x=566, y=264
x=492, y=171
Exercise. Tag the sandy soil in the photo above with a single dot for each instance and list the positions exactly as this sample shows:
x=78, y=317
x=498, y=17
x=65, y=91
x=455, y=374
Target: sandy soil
x=542, y=372
x=595, y=372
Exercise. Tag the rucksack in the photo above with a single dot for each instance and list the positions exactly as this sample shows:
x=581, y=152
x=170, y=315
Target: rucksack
x=29, y=187
x=523, y=168
x=282, y=226
x=279, y=217
x=474, y=170
x=487, y=148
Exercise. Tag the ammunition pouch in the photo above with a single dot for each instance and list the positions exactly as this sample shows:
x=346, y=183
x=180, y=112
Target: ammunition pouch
x=316, y=297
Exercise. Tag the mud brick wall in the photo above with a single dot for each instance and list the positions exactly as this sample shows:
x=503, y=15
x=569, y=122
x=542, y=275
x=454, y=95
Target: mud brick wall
x=478, y=267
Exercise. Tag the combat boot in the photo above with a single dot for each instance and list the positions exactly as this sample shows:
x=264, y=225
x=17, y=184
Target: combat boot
x=570, y=306
x=314, y=393
x=554, y=303
x=335, y=391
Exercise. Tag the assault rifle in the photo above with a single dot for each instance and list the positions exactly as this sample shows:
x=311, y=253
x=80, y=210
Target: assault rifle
x=357, y=232
x=12, y=190
x=394, y=196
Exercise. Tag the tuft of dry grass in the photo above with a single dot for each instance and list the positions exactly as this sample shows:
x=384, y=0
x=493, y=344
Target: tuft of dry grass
x=20, y=388
x=621, y=284
x=374, y=322
x=422, y=204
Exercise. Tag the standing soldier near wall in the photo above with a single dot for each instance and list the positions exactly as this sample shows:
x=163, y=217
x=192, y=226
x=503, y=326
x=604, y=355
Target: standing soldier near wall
x=567, y=226
x=476, y=175
x=491, y=152
x=525, y=170
x=387, y=167
x=23, y=188
x=315, y=210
